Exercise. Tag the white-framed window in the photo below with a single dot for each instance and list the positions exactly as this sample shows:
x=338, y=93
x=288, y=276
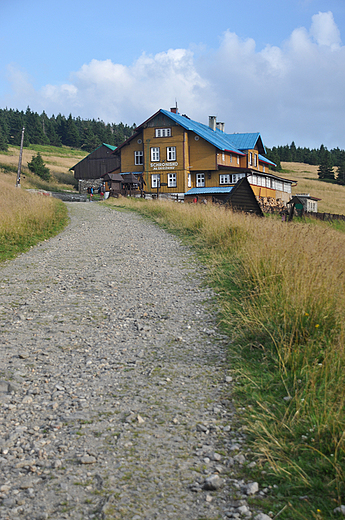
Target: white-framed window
x=223, y=157
x=268, y=182
x=237, y=176
x=238, y=159
x=189, y=180
x=250, y=158
x=155, y=180
x=200, y=180
x=225, y=179
x=163, y=132
x=171, y=180
x=231, y=157
x=255, y=160
x=171, y=153
x=138, y=158
x=155, y=155
x=263, y=168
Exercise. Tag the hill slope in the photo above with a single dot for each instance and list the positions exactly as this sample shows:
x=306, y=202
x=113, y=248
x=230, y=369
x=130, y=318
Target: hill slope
x=332, y=195
x=58, y=160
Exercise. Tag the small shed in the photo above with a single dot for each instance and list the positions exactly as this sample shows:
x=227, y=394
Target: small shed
x=113, y=182
x=239, y=197
x=130, y=183
x=304, y=203
x=121, y=183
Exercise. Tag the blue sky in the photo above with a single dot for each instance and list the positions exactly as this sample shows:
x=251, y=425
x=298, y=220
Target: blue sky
x=277, y=67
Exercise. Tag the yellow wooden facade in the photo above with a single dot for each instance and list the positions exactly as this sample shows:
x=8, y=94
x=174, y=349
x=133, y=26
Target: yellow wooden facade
x=162, y=147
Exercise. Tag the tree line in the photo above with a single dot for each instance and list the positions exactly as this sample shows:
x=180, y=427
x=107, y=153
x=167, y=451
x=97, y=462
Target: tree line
x=331, y=163
x=86, y=134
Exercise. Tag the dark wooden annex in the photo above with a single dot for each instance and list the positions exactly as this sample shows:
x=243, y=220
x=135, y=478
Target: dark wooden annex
x=97, y=163
x=239, y=197
x=242, y=198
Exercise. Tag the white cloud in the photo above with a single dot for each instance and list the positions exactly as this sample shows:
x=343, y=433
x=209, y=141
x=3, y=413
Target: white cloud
x=291, y=92
x=325, y=31
x=150, y=83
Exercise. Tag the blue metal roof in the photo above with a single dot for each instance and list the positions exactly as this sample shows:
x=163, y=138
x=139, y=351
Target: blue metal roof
x=216, y=137
x=265, y=160
x=229, y=142
x=210, y=191
x=245, y=141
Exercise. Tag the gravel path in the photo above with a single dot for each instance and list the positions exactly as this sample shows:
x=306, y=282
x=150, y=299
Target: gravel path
x=114, y=392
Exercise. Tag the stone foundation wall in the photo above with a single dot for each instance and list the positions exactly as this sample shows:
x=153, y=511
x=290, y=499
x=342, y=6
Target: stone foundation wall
x=70, y=197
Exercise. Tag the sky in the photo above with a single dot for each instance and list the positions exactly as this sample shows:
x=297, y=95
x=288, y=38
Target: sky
x=272, y=66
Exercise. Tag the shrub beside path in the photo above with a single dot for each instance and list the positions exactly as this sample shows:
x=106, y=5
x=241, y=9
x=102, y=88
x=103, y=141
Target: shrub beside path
x=115, y=390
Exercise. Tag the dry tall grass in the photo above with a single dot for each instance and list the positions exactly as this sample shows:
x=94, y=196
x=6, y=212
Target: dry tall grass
x=58, y=160
x=26, y=218
x=332, y=195
x=281, y=288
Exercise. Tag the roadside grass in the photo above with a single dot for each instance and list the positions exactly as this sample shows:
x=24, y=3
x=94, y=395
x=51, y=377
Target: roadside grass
x=57, y=183
x=26, y=218
x=281, y=291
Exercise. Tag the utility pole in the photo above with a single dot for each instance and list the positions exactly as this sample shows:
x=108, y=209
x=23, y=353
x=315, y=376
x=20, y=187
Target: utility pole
x=20, y=160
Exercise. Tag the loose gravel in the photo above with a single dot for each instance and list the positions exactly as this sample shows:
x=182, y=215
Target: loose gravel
x=115, y=392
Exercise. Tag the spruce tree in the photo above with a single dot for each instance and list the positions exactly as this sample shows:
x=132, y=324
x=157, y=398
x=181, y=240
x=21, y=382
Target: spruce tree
x=3, y=143
x=341, y=173
x=325, y=170
x=72, y=133
x=37, y=166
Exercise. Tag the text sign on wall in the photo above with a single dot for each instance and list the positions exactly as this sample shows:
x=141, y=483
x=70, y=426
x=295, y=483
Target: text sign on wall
x=164, y=166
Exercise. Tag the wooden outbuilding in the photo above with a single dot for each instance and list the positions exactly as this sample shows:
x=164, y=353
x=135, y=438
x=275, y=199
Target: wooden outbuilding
x=130, y=185
x=121, y=184
x=89, y=170
x=302, y=203
x=113, y=183
x=305, y=202
x=239, y=197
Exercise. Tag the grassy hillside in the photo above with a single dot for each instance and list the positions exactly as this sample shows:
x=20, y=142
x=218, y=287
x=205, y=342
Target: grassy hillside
x=58, y=160
x=27, y=218
x=332, y=195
